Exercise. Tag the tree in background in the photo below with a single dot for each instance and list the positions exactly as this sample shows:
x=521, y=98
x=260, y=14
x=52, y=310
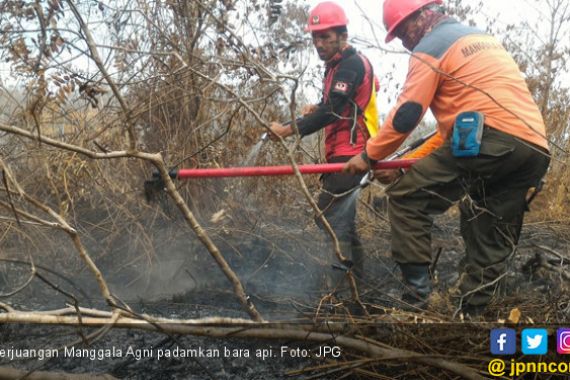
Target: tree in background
x=543, y=52
x=104, y=91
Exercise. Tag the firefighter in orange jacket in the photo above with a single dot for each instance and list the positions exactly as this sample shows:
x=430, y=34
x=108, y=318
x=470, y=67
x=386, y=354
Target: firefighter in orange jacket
x=347, y=113
x=453, y=69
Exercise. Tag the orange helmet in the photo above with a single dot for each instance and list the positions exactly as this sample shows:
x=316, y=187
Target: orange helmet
x=326, y=15
x=396, y=11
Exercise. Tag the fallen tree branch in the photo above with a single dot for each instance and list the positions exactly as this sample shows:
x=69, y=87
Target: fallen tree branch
x=254, y=330
x=157, y=160
x=33, y=273
x=7, y=373
x=48, y=270
x=238, y=288
x=552, y=252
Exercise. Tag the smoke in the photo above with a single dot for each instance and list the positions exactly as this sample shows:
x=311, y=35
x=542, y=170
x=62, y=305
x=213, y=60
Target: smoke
x=274, y=262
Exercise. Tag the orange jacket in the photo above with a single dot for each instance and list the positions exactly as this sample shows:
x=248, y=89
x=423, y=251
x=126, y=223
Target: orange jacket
x=475, y=59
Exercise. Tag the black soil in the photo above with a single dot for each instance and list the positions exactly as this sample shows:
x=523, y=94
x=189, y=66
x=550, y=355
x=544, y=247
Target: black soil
x=285, y=276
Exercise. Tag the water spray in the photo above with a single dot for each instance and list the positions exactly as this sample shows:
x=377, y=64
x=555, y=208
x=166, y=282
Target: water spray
x=266, y=136
x=366, y=179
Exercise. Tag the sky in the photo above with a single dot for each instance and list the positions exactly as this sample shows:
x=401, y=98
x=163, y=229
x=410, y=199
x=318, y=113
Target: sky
x=390, y=61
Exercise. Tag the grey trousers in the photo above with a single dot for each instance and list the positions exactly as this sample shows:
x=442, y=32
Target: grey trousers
x=491, y=189
x=341, y=211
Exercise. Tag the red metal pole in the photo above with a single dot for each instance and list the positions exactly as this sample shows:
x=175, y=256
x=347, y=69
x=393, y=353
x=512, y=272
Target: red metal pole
x=255, y=171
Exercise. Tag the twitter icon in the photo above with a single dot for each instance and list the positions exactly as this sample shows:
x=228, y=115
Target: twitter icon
x=534, y=341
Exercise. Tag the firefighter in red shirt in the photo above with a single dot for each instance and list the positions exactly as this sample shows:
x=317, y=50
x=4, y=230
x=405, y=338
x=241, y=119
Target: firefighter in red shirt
x=494, y=149
x=347, y=113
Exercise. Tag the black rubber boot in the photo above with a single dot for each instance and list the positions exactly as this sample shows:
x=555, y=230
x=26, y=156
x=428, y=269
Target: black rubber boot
x=417, y=279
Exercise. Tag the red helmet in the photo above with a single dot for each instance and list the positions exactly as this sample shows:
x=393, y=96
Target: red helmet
x=396, y=11
x=326, y=15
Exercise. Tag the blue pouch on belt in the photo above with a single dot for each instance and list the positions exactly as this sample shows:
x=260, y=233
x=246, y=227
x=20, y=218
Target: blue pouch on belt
x=467, y=133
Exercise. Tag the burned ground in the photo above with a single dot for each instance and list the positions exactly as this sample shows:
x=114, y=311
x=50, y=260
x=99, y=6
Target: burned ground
x=284, y=269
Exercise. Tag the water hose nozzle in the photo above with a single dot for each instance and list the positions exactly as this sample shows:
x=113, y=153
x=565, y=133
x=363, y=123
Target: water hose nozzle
x=155, y=185
x=367, y=179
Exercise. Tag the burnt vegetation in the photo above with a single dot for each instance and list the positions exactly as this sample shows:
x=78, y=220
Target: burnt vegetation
x=96, y=96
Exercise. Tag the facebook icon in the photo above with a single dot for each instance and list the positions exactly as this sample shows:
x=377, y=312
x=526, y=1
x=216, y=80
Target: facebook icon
x=503, y=341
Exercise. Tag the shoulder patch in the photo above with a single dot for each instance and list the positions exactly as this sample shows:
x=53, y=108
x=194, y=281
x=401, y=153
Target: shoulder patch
x=341, y=87
x=344, y=82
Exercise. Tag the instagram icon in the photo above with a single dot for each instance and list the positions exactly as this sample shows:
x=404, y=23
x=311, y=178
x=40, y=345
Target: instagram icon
x=563, y=341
